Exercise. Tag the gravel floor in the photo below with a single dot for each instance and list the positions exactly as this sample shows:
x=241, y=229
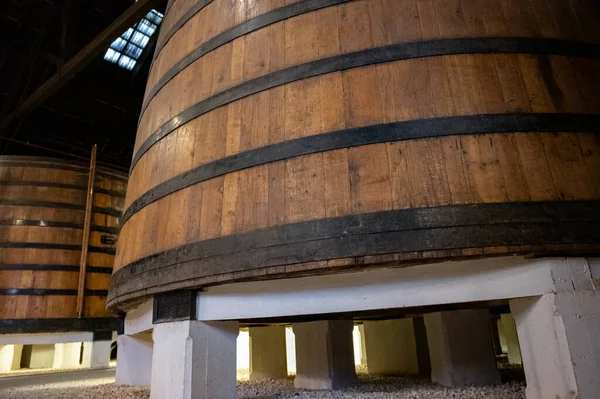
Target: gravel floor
x=374, y=387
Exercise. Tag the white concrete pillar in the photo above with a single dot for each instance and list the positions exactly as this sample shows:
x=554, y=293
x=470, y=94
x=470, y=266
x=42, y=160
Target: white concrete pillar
x=512, y=340
x=194, y=359
x=66, y=356
x=96, y=354
x=10, y=357
x=460, y=348
x=391, y=347
x=324, y=355
x=267, y=353
x=134, y=359
x=560, y=344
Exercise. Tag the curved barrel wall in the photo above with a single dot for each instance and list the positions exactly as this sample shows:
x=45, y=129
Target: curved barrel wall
x=283, y=138
x=42, y=208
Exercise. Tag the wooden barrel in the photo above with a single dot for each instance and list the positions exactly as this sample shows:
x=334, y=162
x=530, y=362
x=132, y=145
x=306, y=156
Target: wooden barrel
x=42, y=209
x=281, y=138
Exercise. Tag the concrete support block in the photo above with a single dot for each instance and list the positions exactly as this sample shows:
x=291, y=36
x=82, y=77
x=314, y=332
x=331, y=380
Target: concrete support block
x=501, y=336
x=67, y=356
x=512, y=340
x=134, y=359
x=391, y=347
x=10, y=357
x=324, y=355
x=96, y=354
x=267, y=353
x=194, y=359
x=560, y=344
x=460, y=347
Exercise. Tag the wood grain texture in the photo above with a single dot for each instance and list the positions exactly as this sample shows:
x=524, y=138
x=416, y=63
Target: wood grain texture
x=495, y=166
x=31, y=266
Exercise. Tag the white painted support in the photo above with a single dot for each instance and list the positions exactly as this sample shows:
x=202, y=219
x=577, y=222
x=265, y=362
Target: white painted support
x=139, y=319
x=45, y=338
x=513, y=349
x=134, y=359
x=267, y=353
x=324, y=355
x=96, y=354
x=66, y=356
x=391, y=347
x=10, y=357
x=460, y=348
x=559, y=334
x=422, y=285
x=560, y=344
x=194, y=359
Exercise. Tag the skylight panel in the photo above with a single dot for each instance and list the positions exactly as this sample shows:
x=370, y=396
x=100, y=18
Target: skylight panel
x=126, y=50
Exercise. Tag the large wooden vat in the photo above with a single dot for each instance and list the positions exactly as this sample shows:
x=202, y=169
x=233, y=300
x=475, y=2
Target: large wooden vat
x=282, y=138
x=42, y=209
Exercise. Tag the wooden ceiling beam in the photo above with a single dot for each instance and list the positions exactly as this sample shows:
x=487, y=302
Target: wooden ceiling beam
x=82, y=59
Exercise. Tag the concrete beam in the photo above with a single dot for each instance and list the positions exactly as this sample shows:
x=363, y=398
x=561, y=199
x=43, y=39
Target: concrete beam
x=45, y=338
x=422, y=285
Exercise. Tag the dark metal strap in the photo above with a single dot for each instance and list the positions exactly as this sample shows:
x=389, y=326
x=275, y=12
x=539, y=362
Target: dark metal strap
x=97, y=190
x=24, y=326
x=189, y=14
x=44, y=292
x=68, y=247
x=55, y=163
x=62, y=205
x=417, y=129
x=396, y=52
x=48, y=223
x=261, y=21
x=377, y=233
x=54, y=268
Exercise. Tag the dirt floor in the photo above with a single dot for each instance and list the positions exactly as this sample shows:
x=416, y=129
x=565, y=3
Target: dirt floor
x=369, y=386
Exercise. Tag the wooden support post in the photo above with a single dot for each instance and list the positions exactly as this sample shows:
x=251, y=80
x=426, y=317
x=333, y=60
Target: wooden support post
x=86, y=233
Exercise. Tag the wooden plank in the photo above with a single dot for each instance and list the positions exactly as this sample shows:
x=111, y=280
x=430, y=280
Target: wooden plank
x=86, y=234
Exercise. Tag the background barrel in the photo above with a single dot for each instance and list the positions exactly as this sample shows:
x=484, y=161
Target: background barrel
x=284, y=138
x=42, y=208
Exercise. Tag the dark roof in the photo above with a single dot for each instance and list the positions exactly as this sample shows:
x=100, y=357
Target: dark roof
x=100, y=105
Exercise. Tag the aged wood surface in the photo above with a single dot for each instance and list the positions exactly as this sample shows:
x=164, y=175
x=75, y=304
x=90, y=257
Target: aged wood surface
x=266, y=114
x=42, y=208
